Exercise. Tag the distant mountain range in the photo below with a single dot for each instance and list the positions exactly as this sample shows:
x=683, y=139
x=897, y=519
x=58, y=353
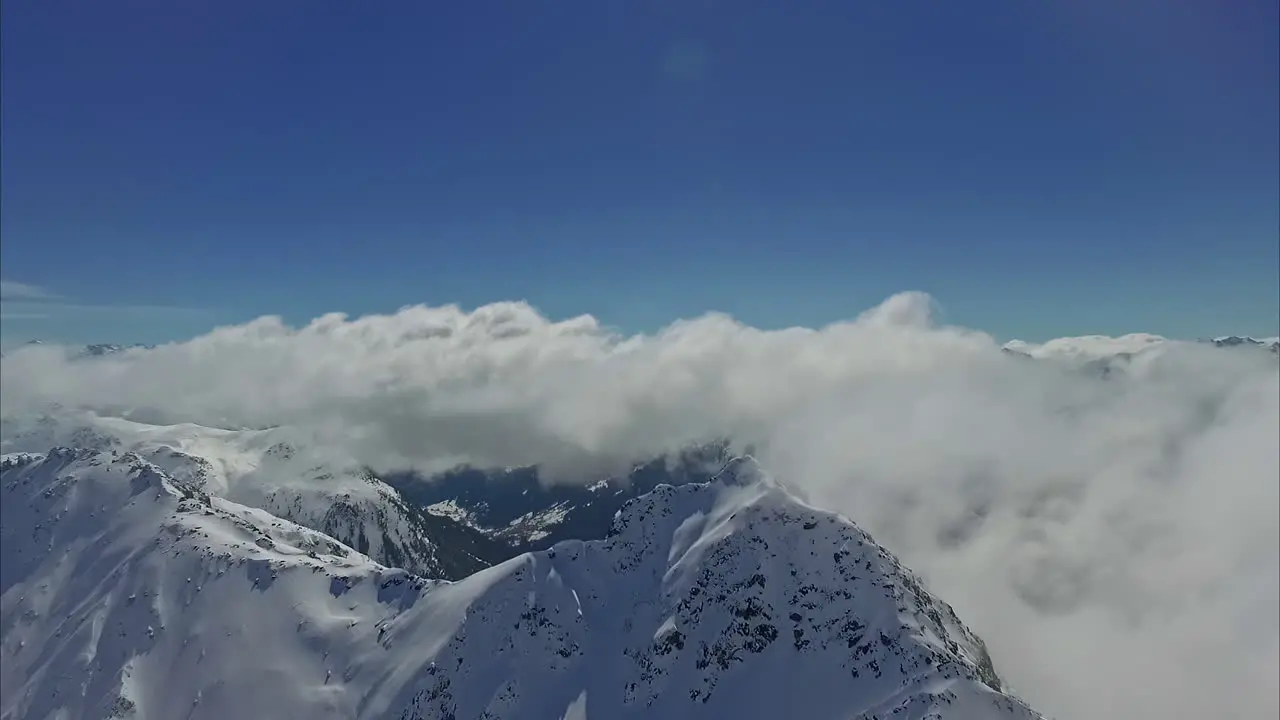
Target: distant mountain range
x=1272, y=344
x=1093, y=346
x=106, y=349
x=1100, y=347
x=517, y=508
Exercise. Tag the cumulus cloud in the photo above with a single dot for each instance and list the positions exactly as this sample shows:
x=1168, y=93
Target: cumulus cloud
x=1114, y=538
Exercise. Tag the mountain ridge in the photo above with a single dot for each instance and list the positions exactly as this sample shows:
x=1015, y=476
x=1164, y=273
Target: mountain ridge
x=147, y=589
x=271, y=470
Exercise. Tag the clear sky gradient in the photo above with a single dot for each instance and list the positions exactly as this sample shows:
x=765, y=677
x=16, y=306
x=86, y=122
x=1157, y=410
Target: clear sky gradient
x=1042, y=168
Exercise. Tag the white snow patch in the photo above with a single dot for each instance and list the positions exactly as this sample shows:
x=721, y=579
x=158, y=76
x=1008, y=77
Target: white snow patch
x=451, y=510
x=1089, y=347
x=577, y=709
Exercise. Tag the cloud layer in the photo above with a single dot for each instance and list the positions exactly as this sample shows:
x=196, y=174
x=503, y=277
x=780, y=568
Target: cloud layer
x=1114, y=539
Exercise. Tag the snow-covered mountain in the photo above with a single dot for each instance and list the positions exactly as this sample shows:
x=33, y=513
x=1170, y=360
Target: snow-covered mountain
x=95, y=350
x=273, y=471
x=1101, y=348
x=1088, y=347
x=102, y=349
x=1271, y=343
x=130, y=592
x=1106, y=357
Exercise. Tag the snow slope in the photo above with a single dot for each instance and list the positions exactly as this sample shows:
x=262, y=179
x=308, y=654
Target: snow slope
x=130, y=593
x=276, y=470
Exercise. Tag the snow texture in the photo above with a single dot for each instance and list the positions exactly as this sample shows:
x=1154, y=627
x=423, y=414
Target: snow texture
x=262, y=469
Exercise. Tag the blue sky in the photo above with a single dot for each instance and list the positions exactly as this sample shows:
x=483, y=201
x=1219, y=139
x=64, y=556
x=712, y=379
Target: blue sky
x=1043, y=169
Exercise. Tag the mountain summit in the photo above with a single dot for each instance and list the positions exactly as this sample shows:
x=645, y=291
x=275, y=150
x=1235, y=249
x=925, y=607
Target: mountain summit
x=131, y=593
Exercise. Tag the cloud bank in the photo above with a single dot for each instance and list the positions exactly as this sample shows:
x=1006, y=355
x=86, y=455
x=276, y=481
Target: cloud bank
x=1114, y=539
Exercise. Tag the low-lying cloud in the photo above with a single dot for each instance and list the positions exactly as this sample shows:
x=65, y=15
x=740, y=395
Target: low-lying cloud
x=1115, y=540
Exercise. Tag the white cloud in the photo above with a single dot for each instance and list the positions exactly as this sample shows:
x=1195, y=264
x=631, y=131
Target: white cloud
x=1115, y=541
x=11, y=290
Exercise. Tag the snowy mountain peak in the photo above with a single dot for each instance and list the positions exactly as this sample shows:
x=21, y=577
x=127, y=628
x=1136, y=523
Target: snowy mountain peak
x=129, y=593
x=267, y=470
x=1230, y=341
x=742, y=470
